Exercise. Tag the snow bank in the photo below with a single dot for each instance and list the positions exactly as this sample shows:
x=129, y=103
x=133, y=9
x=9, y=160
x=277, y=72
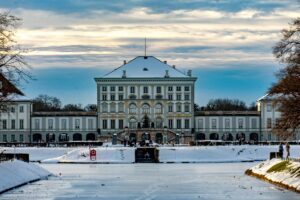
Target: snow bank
x=39, y=153
x=241, y=153
x=104, y=155
x=16, y=173
x=280, y=172
x=199, y=154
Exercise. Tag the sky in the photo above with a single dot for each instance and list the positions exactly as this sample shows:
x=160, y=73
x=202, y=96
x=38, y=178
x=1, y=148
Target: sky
x=227, y=43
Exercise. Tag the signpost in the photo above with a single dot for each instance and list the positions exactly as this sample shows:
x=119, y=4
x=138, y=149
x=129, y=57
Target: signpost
x=93, y=154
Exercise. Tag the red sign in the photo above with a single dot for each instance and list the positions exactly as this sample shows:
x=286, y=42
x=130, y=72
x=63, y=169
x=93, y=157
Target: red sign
x=93, y=154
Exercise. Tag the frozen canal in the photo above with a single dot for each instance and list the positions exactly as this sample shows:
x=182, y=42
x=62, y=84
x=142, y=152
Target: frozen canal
x=150, y=181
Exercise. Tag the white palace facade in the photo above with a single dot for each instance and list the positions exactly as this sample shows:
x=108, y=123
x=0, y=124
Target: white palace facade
x=145, y=98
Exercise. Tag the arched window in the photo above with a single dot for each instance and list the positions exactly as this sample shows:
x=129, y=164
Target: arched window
x=159, y=122
x=170, y=107
x=132, y=108
x=113, y=107
x=132, y=123
x=186, y=107
x=121, y=107
x=158, y=108
x=104, y=107
x=178, y=107
x=145, y=109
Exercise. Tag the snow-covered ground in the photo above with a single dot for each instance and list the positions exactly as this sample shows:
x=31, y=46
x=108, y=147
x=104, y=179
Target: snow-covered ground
x=166, y=154
x=285, y=173
x=104, y=155
x=16, y=173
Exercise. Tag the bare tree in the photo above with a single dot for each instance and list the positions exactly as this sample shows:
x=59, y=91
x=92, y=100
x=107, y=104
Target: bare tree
x=13, y=67
x=287, y=89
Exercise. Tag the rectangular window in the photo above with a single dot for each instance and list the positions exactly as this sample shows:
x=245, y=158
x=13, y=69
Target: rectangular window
x=4, y=124
x=112, y=88
x=269, y=107
x=170, y=108
x=121, y=88
x=186, y=88
x=241, y=123
x=213, y=123
x=178, y=123
x=37, y=124
x=186, y=97
x=104, y=123
x=64, y=124
x=253, y=123
x=104, y=88
x=145, y=90
x=13, y=124
x=104, y=97
x=178, y=97
x=269, y=123
x=158, y=89
x=170, y=123
x=21, y=137
x=13, y=138
x=170, y=97
x=170, y=88
x=21, y=124
x=90, y=124
x=21, y=109
x=121, y=97
x=112, y=97
x=276, y=121
x=187, y=108
x=112, y=124
x=227, y=123
x=121, y=124
x=132, y=89
x=200, y=124
x=12, y=109
x=50, y=124
x=178, y=88
x=186, y=123
x=178, y=107
x=77, y=123
x=4, y=138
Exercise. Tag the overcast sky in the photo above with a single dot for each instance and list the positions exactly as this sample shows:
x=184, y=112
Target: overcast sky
x=227, y=43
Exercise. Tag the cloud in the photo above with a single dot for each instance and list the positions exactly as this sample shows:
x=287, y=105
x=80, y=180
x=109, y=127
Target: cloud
x=199, y=36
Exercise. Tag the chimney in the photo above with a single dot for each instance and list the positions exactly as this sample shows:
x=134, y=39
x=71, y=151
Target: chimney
x=124, y=74
x=167, y=74
x=165, y=62
x=124, y=62
x=189, y=73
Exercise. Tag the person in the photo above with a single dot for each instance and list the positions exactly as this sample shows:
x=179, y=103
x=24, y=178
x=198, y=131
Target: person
x=281, y=150
x=287, y=148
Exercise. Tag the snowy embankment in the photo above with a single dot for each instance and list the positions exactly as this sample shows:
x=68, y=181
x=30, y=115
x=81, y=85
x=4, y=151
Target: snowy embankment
x=104, y=155
x=119, y=154
x=16, y=173
x=243, y=153
x=280, y=172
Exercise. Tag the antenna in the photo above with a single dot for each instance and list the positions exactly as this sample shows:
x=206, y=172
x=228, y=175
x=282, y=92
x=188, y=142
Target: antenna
x=145, y=47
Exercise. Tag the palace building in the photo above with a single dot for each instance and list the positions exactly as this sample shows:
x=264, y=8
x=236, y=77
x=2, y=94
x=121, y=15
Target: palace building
x=146, y=96
x=143, y=99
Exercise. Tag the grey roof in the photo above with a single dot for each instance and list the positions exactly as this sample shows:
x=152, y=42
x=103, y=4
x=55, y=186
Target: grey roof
x=145, y=66
x=268, y=97
x=227, y=113
x=63, y=113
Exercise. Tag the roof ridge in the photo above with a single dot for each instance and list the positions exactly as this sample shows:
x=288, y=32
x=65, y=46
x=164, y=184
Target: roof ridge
x=124, y=65
x=170, y=66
